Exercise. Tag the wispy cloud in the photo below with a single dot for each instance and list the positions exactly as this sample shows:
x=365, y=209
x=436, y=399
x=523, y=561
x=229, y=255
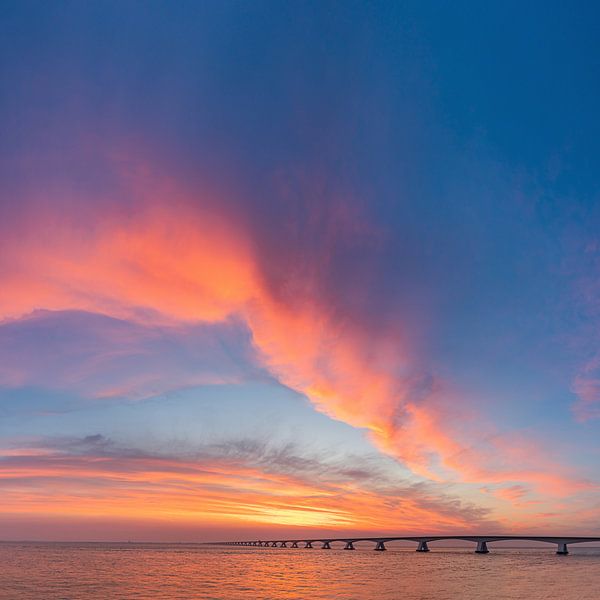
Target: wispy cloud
x=228, y=483
x=97, y=356
x=586, y=386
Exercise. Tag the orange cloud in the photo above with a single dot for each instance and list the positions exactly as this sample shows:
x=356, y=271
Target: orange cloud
x=479, y=453
x=161, y=263
x=94, y=485
x=170, y=258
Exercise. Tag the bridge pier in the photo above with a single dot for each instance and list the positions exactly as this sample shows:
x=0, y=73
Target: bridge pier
x=482, y=548
x=562, y=548
x=561, y=542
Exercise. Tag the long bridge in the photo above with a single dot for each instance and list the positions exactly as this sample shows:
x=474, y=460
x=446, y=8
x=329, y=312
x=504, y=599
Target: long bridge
x=482, y=541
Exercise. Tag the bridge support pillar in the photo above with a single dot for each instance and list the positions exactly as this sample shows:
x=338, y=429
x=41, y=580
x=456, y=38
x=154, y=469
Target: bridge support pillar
x=308, y=545
x=294, y=544
x=326, y=546
x=274, y=545
x=283, y=545
x=423, y=547
x=380, y=546
x=482, y=548
x=562, y=548
x=349, y=546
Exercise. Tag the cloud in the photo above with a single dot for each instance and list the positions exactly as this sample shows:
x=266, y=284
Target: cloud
x=584, y=269
x=586, y=386
x=239, y=482
x=476, y=452
x=98, y=356
x=168, y=258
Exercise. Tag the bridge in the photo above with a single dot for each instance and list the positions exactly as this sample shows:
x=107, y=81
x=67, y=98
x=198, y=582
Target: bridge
x=482, y=541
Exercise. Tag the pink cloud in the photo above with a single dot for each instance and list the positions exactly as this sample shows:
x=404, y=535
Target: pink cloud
x=96, y=356
x=170, y=258
x=586, y=386
x=586, y=382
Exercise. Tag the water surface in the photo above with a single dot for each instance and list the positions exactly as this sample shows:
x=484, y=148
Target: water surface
x=164, y=571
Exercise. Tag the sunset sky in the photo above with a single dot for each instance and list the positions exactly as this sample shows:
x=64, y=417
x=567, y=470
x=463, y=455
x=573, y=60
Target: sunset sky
x=298, y=266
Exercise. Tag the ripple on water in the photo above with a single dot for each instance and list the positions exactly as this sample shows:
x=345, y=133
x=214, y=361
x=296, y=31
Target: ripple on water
x=132, y=571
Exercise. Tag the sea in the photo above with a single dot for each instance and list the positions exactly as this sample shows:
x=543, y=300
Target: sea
x=105, y=571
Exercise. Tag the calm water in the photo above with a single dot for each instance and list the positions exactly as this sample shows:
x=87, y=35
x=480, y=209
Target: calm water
x=113, y=571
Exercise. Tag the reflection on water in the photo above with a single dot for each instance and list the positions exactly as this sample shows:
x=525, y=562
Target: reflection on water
x=123, y=571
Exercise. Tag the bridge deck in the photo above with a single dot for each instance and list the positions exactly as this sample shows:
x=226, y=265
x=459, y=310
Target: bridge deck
x=422, y=541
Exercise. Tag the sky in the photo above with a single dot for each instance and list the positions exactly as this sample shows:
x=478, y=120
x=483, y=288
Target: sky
x=281, y=267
